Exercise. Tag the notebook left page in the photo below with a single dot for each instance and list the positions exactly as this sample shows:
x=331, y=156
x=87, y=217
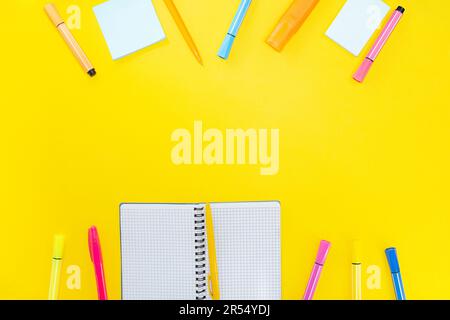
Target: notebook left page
x=158, y=252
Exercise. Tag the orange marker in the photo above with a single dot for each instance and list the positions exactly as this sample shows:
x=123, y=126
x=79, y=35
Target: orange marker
x=65, y=33
x=290, y=22
x=183, y=29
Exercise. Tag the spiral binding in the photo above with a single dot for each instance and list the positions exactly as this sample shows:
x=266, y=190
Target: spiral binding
x=200, y=254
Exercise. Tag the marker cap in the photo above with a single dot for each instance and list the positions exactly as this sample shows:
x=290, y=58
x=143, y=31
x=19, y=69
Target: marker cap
x=225, y=49
x=290, y=22
x=53, y=14
x=356, y=251
x=391, y=255
x=401, y=9
x=280, y=36
x=323, y=252
x=363, y=70
x=58, y=246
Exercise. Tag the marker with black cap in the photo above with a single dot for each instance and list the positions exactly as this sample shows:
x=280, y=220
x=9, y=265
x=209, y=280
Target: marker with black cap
x=379, y=44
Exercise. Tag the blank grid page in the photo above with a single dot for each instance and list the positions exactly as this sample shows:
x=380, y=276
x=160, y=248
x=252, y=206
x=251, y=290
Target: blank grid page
x=157, y=244
x=247, y=237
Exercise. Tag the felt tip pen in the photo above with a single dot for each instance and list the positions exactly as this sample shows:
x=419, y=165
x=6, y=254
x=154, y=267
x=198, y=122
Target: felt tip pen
x=356, y=271
x=227, y=44
x=379, y=44
x=317, y=270
x=55, y=275
x=65, y=33
x=391, y=255
x=95, y=252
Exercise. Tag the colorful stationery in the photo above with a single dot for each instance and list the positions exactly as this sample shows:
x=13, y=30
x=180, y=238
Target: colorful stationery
x=128, y=26
x=183, y=29
x=356, y=271
x=95, y=251
x=227, y=44
x=166, y=251
x=356, y=23
x=65, y=33
x=379, y=44
x=317, y=270
x=290, y=22
x=391, y=255
x=55, y=275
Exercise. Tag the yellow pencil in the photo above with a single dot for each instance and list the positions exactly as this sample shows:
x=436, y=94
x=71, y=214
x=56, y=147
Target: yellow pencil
x=213, y=277
x=356, y=271
x=184, y=31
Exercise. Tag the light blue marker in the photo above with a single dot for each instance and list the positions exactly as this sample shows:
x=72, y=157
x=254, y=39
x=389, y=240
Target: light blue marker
x=391, y=255
x=227, y=44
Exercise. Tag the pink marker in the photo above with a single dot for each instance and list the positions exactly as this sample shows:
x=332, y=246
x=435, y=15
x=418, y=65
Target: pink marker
x=379, y=44
x=317, y=270
x=96, y=256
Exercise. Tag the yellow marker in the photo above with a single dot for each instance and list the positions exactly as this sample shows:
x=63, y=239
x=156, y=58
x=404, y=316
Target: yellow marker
x=213, y=277
x=183, y=29
x=356, y=271
x=55, y=276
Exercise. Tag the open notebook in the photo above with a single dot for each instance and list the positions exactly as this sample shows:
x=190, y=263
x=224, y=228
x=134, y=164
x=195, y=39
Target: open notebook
x=165, y=254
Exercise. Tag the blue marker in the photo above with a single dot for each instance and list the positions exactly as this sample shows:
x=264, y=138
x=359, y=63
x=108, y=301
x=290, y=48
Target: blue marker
x=391, y=255
x=225, y=49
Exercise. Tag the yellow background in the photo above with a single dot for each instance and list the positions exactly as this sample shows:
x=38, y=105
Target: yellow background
x=368, y=161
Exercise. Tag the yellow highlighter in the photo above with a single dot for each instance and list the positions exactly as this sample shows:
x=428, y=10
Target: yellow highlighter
x=356, y=271
x=213, y=277
x=55, y=276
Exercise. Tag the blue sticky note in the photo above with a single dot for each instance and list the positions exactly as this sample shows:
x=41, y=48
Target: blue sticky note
x=128, y=25
x=356, y=23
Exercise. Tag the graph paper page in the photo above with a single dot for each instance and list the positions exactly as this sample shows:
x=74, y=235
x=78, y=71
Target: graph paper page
x=157, y=244
x=247, y=237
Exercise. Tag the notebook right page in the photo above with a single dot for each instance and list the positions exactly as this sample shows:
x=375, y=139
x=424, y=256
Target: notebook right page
x=247, y=237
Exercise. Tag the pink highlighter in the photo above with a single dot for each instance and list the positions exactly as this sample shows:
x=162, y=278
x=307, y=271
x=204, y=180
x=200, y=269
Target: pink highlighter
x=379, y=44
x=317, y=270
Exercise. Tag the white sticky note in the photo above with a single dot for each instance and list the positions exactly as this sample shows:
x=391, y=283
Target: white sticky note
x=356, y=23
x=128, y=25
